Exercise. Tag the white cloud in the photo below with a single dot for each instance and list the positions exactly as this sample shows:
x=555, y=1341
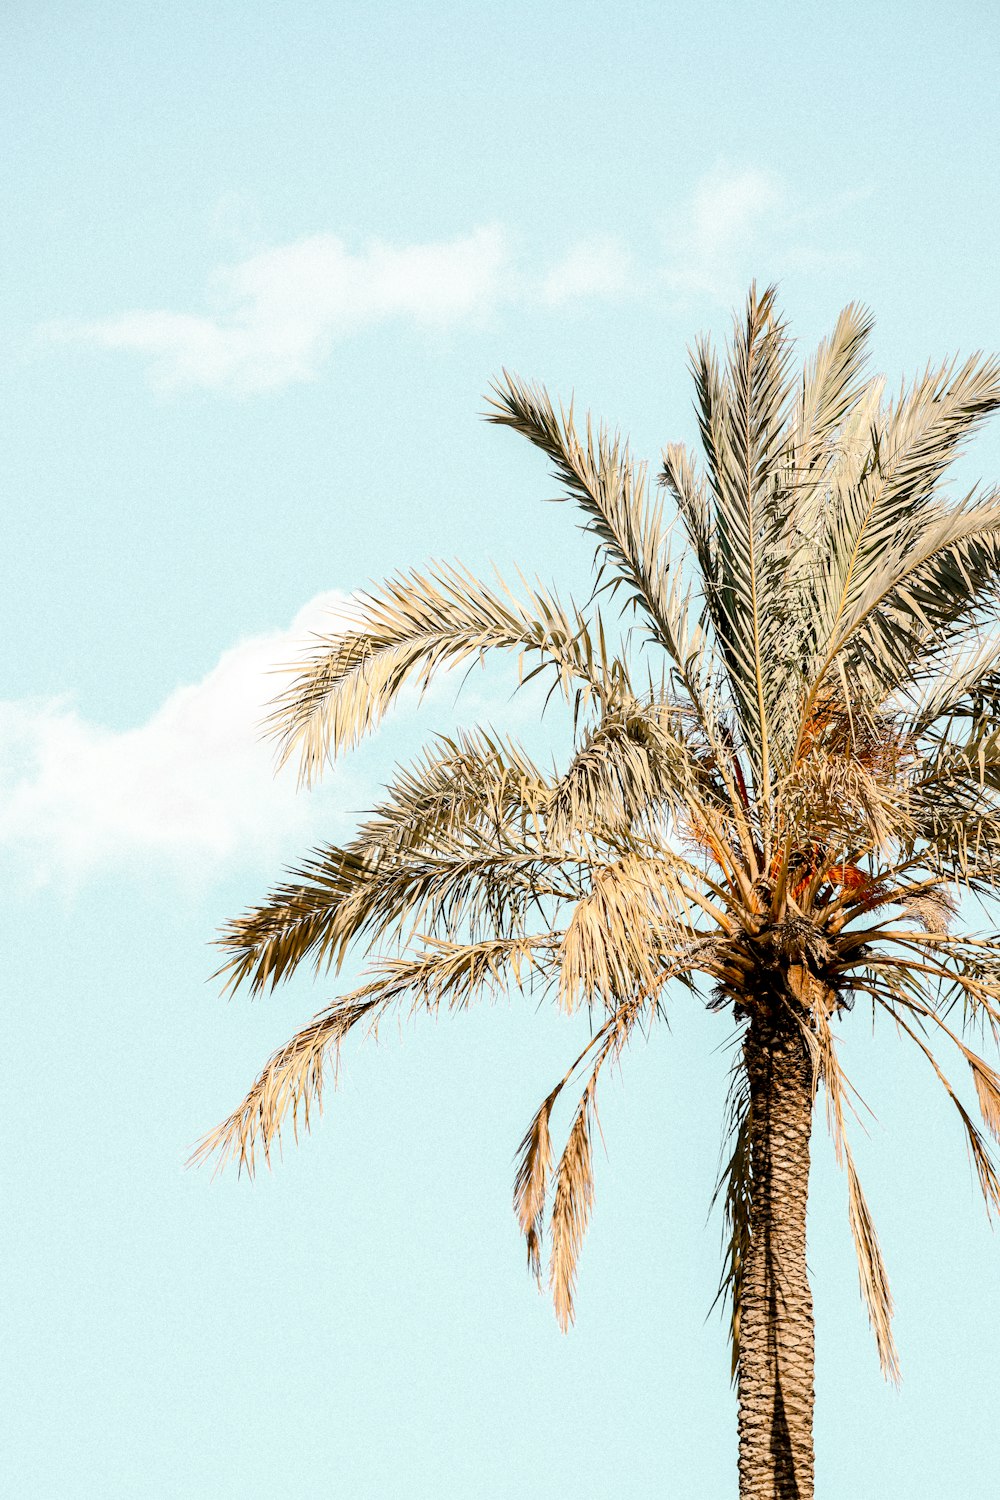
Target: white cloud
x=193, y=784
x=599, y=267
x=728, y=206
x=275, y=317
x=277, y=314
x=729, y=227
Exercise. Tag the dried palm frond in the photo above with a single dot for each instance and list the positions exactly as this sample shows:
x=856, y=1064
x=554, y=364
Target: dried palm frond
x=452, y=974
x=416, y=624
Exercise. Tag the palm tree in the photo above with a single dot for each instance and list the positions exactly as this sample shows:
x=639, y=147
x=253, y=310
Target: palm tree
x=785, y=775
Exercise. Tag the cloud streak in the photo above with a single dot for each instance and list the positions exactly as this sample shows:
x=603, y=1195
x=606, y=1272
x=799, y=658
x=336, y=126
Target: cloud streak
x=277, y=315
x=741, y=223
x=275, y=318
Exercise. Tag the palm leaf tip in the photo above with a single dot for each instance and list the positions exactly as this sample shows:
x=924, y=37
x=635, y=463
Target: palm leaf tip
x=572, y=1202
x=530, y=1185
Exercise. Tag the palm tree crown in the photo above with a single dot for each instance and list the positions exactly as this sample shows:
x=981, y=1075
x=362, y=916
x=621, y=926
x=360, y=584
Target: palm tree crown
x=785, y=774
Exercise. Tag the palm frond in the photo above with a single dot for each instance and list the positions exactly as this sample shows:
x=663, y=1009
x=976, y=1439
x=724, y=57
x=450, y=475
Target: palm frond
x=876, y=518
x=412, y=627
x=872, y=1274
x=531, y=1182
x=292, y=1080
x=871, y=1271
x=632, y=770
x=979, y=1151
x=573, y=1200
x=449, y=974
x=600, y=476
x=449, y=806
x=917, y=593
x=619, y=932
x=833, y=383
x=337, y=898
x=742, y=415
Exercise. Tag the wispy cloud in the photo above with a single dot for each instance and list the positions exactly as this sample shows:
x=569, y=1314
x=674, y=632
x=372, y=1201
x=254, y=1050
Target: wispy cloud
x=728, y=223
x=195, y=783
x=276, y=315
x=598, y=267
x=741, y=223
x=274, y=318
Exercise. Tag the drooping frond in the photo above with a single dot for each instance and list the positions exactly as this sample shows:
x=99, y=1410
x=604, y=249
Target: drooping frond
x=413, y=626
x=874, y=1281
x=983, y=1161
x=573, y=1195
x=448, y=974
x=871, y=1271
x=631, y=918
x=292, y=1080
x=574, y=1177
x=573, y=1200
x=531, y=1183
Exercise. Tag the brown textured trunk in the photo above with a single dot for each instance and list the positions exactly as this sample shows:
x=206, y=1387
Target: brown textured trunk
x=777, y=1347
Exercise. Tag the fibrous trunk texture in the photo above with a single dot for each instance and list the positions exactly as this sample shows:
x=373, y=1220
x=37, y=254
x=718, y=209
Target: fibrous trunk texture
x=777, y=1345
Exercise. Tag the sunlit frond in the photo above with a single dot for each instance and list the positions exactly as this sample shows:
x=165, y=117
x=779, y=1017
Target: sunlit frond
x=634, y=766
x=599, y=475
x=531, y=1183
x=871, y=1271
x=743, y=412
x=456, y=799
x=880, y=562
x=618, y=934
x=833, y=383
x=574, y=1197
x=448, y=974
x=413, y=626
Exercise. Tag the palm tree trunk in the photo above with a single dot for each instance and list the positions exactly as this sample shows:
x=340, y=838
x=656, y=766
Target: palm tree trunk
x=777, y=1345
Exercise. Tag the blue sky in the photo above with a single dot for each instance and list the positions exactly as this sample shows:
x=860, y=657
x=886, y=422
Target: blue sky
x=260, y=263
